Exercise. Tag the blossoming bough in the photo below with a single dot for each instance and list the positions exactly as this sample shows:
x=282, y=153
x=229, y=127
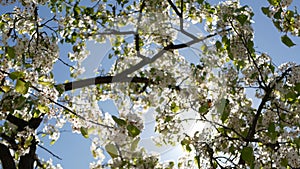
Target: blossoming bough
x=150, y=71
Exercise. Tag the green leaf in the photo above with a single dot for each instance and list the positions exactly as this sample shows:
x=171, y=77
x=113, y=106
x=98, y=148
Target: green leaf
x=209, y=19
x=60, y=88
x=5, y=88
x=271, y=128
x=289, y=14
x=43, y=108
x=42, y=82
x=247, y=155
x=239, y=64
x=250, y=45
x=45, y=83
x=135, y=143
x=225, y=115
x=226, y=43
x=242, y=18
x=94, y=154
x=20, y=102
x=10, y=52
x=110, y=56
x=73, y=37
x=291, y=96
x=197, y=160
x=112, y=150
x=28, y=141
x=271, y=131
x=89, y=11
x=174, y=107
x=84, y=132
x=203, y=109
x=188, y=148
x=119, y=121
x=277, y=15
x=265, y=10
x=185, y=142
x=133, y=130
x=272, y=68
x=297, y=88
x=52, y=142
x=274, y=2
x=2, y=24
x=16, y=75
x=22, y=87
x=36, y=114
x=218, y=45
x=287, y=41
x=284, y=162
x=277, y=25
x=168, y=118
x=76, y=11
x=297, y=142
x=224, y=110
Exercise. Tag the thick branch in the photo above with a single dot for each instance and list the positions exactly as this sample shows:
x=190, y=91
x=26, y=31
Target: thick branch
x=115, y=32
x=147, y=61
x=27, y=160
x=10, y=140
x=20, y=123
x=262, y=104
x=123, y=77
x=6, y=158
x=33, y=123
x=102, y=80
x=258, y=113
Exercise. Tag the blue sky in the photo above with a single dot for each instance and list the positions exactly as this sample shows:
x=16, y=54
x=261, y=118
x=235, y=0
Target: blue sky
x=75, y=149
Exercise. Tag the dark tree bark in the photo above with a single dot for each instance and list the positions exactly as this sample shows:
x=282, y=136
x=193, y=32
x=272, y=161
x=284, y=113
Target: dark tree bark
x=33, y=123
x=27, y=160
x=102, y=80
x=6, y=158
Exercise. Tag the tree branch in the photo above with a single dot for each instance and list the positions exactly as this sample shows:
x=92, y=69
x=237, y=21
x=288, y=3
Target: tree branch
x=56, y=156
x=102, y=80
x=27, y=160
x=20, y=123
x=123, y=76
x=114, y=32
x=144, y=62
x=175, y=8
x=65, y=63
x=33, y=123
x=269, y=90
x=6, y=158
x=10, y=140
x=136, y=36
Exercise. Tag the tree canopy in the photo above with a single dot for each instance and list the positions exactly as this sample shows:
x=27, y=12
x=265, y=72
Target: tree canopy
x=151, y=71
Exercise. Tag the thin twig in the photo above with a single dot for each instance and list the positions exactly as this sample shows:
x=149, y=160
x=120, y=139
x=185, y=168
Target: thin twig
x=66, y=63
x=44, y=148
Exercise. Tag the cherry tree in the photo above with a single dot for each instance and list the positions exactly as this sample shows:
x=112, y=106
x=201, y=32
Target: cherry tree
x=150, y=71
